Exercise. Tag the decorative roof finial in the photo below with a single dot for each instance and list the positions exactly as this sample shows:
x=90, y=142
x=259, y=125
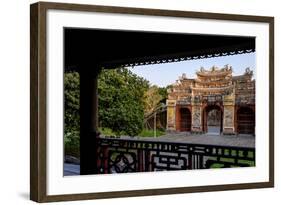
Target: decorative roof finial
x=226, y=67
x=248, y=71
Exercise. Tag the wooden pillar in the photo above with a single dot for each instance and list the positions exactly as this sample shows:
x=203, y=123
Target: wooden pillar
x=88, y=119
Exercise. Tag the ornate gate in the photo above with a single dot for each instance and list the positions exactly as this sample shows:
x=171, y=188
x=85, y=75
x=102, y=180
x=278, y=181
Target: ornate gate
x=185, y=119
x=245, y=121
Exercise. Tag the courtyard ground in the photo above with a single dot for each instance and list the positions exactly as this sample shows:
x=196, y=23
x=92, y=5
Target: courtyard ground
x=209, y=139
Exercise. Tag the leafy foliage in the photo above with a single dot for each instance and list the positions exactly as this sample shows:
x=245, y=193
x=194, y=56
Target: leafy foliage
x=163, y=91
x=155, y=96
x=123, y=99
x=152, y=99
x=71, y=113
x=121, y=105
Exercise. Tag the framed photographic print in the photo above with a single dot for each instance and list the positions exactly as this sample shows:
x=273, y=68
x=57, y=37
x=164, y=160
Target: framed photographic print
x=135, y=102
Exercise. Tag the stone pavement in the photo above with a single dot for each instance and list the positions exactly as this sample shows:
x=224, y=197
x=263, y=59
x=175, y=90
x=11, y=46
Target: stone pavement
x=209, y=139
x=71, y=169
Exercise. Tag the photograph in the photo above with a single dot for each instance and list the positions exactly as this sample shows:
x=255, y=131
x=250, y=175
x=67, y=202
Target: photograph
x=192, y=109
x=135, y=102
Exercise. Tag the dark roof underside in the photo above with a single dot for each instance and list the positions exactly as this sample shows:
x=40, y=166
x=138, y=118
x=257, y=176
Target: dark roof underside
x=113, y=48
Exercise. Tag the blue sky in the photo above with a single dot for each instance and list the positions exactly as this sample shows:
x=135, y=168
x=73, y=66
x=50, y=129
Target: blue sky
x=167, y=73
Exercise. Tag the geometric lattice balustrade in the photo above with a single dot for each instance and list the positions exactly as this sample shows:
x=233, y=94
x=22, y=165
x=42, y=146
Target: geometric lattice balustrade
x=130, y=155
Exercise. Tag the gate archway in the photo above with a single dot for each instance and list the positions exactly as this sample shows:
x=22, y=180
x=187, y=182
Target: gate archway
x=212, y=119
x=245, y=121
x=185, y=119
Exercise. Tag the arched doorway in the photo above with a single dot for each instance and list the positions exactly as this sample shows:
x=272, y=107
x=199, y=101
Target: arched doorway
x=185, y=119
x=245, y=121
x=212, y=120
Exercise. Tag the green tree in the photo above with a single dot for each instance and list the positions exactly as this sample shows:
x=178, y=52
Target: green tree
x=121, y=103
x=152, y=98
x=155, y=96
x=71, y=113
x=163, y=91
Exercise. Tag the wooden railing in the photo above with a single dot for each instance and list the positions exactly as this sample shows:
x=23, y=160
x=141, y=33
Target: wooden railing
x=131, y=155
